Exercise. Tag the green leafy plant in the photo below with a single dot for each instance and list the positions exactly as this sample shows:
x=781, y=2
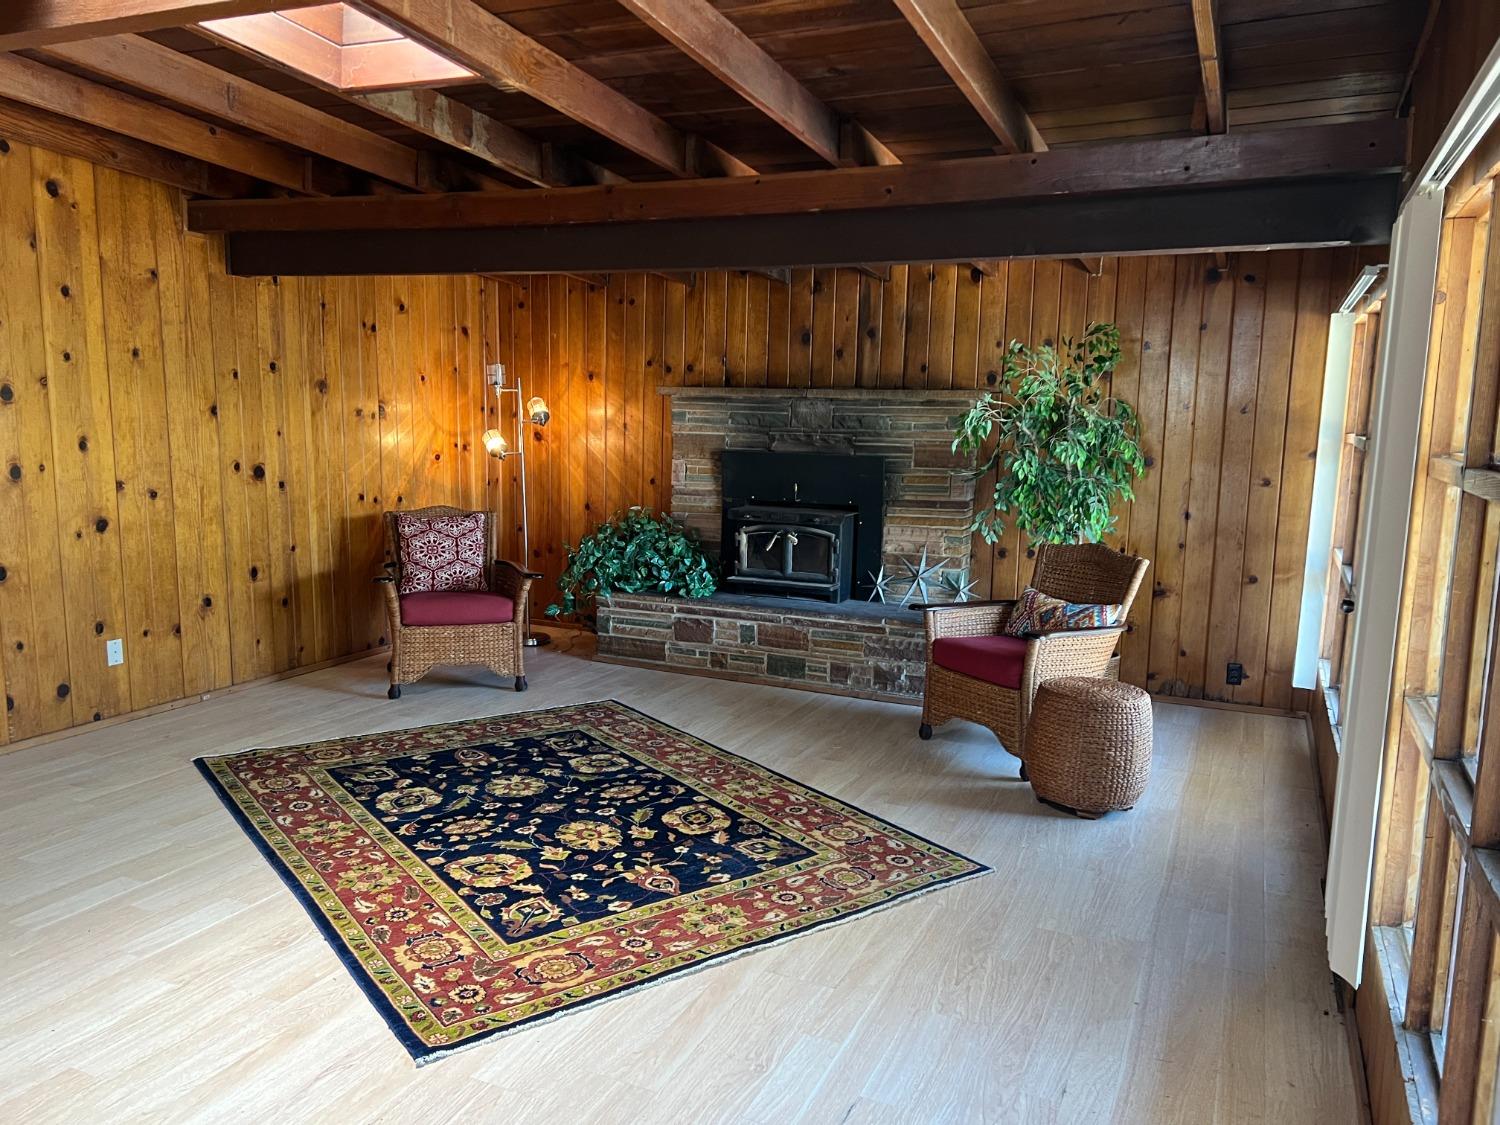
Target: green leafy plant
x=1063, y=448
x=634, y=552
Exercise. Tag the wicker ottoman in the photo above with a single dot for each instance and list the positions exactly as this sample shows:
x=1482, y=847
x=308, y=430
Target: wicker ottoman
x=1088, y=749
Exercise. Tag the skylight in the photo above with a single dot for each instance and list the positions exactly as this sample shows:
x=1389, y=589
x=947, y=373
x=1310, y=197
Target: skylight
x=339, y=48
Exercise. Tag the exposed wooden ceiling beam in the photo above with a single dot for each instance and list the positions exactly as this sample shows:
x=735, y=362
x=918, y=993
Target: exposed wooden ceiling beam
x=708, y=37
x=950, y=37
x=1325, y=211
x=187, y=81
x=40, y=23
x=501, y=55
x=46, y=88
x=291, y=48
x=1206, y=27
x=1357, y=148
x=72, y=138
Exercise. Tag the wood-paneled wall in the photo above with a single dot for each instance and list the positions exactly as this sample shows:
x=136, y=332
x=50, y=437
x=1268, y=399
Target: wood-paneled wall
x=194, y=463
x=1226, y=369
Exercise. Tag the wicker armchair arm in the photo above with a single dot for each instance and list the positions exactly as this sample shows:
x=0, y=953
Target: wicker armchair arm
x=515, y=584
x=1075, y=652
x=533, y=574
x=965, y=619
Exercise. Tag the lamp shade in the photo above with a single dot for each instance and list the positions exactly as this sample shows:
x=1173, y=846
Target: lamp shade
x=536, y=410
x=494, y=443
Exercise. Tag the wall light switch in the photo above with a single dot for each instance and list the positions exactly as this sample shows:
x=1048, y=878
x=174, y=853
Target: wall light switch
x=114, y=652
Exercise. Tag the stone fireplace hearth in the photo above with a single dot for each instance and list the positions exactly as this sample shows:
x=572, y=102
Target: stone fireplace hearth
x=854, y=647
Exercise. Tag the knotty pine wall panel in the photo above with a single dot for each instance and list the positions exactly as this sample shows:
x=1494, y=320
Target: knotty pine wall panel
x=196, y=463
x=1225, y=368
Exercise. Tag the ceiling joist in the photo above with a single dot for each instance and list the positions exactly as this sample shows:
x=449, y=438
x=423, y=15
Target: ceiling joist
x=53, y=131
x=1206, y=28
x=47, y=88
x=196, y=85
x=294, y=50
x=708, y=37
x=469, y=34
x=950, y=37
x=41, y=23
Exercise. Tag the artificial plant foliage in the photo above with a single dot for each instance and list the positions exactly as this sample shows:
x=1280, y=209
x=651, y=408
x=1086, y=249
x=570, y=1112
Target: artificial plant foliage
x=634, y=552
x=1062, y=447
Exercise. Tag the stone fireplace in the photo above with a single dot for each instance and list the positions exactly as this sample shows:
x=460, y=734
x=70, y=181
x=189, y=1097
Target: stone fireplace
x=862, y=481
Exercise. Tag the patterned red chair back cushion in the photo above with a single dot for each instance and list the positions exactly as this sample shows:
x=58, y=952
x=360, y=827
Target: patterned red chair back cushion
x=1036, y=612
x=441, y=553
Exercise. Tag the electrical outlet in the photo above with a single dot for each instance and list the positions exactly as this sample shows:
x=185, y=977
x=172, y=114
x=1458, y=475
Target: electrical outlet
x=114, y=652
x=1234, y=674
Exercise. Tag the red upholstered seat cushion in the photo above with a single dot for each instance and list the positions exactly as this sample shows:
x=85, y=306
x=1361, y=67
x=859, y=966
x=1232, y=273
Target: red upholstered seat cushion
x=456, y=607
x=995, y=660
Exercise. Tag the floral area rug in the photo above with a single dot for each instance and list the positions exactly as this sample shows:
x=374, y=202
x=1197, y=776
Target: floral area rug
x=480, y=876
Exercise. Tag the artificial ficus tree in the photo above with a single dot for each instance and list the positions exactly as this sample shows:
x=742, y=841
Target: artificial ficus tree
x=1062, y=447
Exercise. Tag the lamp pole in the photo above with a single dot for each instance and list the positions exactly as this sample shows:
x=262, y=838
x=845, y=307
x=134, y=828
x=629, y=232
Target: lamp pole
x=537, y=414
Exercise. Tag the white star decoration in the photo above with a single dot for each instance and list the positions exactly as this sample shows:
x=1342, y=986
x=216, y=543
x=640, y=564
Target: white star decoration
x=921, y=574
x=880, y=584
x=961, y=584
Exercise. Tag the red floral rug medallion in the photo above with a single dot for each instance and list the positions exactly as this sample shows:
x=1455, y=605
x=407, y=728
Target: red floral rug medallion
x=479, y=876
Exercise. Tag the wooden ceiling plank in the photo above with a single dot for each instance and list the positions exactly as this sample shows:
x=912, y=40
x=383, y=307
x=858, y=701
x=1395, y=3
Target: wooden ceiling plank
x=942, y=25
x=1253, y=157
x=709, y=38
x=189, y=82
x=30, y=125
x=1206, y=28
x=469, y=34
x=45, y=87
x=43, y=23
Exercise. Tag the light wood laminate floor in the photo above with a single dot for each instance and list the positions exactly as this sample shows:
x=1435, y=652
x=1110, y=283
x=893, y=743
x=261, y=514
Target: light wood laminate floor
x=1164, y=965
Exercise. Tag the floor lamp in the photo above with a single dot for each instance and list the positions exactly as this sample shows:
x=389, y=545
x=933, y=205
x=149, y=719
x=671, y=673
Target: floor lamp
x=532, y=411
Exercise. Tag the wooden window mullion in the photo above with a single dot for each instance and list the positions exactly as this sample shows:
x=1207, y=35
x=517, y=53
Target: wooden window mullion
x=1463, y=1035
x=1458, y=634
x=1427, y=935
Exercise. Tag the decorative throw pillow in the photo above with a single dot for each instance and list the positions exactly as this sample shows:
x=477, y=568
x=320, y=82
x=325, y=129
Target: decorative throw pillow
x=1036, y=612
x=441, y=552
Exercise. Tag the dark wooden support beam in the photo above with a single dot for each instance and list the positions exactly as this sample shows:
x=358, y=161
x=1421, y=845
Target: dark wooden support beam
x=950, y=37
x=1206, y=28
x=493, y=49
x=33, y=126
x=1319, y=212
x=40, y=23
x=1177, y=164
x=102, y=107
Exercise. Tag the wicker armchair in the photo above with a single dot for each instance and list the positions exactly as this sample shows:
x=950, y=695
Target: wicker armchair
x=484, y=627
x=1011, y=668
